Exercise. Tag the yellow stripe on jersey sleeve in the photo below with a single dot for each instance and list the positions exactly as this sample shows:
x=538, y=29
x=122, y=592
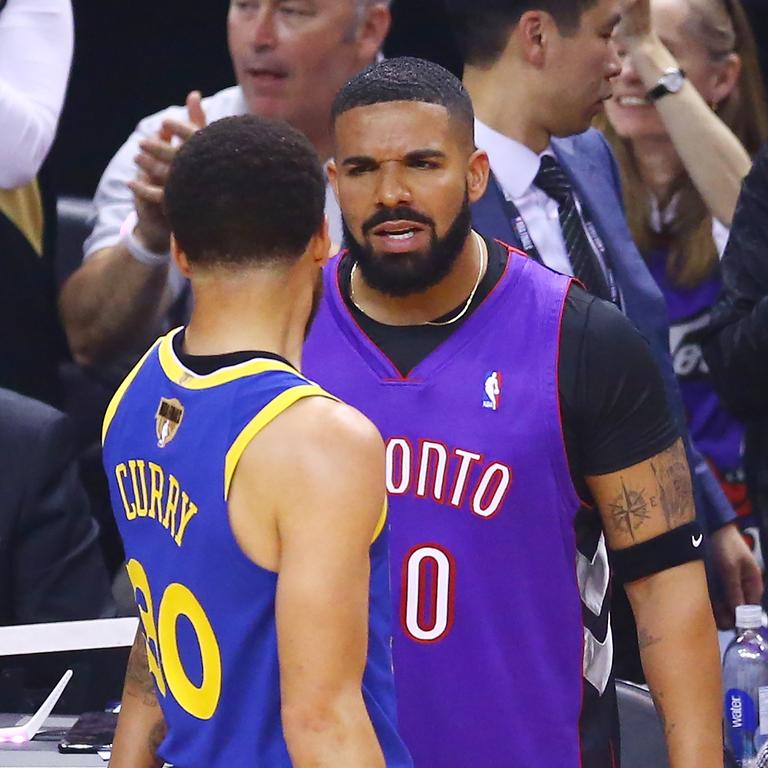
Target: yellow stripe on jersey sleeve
x=182, y=376
x=121, y=390
x=267, y=414
x=382, y=521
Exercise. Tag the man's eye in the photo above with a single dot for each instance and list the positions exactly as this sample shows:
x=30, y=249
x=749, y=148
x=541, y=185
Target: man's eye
x=358, y=170
x=296, y=10
x=425, y=165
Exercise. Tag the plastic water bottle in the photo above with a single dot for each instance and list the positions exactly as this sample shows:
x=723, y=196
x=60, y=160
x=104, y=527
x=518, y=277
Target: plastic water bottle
x=745, y=681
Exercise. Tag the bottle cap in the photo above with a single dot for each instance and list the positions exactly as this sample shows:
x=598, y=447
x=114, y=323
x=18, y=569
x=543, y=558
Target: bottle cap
x=749, y=616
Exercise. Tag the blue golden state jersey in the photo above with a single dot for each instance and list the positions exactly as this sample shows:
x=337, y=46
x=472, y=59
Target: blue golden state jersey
x=172, y=441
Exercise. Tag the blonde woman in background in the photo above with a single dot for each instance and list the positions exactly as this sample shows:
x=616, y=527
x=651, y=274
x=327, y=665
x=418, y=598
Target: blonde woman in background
x=687, y=113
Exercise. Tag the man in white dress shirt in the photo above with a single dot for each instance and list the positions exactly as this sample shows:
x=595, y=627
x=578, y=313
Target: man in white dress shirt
x=290, y=57
x=538, y=72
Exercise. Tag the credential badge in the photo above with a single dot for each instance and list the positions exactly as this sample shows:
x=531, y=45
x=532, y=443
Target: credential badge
x=167, y=420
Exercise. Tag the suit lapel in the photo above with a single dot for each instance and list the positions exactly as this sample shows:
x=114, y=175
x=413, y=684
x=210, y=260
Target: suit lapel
x=641, y=298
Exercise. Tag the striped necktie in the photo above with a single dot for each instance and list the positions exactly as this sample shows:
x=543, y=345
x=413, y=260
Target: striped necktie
x=554, y=183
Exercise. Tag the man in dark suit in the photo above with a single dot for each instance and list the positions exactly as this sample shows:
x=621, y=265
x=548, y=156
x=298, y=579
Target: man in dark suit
x=51, y=566
x=538, y=72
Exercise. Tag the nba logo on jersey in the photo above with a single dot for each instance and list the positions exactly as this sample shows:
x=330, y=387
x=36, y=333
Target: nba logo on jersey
x=492, y=390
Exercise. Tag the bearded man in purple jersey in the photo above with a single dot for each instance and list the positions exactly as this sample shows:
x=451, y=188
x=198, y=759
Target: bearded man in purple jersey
x=527, y=437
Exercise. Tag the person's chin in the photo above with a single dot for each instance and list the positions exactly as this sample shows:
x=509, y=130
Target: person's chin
x=272, y=106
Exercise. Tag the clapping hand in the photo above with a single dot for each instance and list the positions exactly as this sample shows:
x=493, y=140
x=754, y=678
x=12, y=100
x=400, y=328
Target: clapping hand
x=154, y=162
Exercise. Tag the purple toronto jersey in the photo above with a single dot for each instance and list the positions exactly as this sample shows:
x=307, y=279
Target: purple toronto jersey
x=489, y=639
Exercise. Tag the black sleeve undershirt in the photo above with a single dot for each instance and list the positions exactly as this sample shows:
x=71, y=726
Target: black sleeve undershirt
x=612, y=397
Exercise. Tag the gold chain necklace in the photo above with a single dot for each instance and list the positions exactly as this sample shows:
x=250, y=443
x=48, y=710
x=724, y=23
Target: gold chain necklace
x=483, y=259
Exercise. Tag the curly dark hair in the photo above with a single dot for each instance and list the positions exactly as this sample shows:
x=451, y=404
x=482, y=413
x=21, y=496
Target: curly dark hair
x=406, y=79
x=245, y=190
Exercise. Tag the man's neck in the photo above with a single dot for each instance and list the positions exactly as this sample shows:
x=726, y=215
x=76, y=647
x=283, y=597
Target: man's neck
x=245, y=313
x=503, y=104
x=425, y=306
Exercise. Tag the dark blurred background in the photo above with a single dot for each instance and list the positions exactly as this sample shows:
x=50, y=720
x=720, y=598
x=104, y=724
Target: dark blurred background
x=135, y=57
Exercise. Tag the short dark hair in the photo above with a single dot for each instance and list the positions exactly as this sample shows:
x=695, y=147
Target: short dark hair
x=482, y=27
x=245, y=190
x=406, y=79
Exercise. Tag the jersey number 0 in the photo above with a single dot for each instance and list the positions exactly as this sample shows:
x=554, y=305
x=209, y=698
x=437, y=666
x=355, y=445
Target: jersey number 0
x=429, y=573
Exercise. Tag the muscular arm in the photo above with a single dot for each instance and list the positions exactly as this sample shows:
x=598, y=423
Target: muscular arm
x=675, y=627
x=111, y=304
x=320, y=468
x=140, y=726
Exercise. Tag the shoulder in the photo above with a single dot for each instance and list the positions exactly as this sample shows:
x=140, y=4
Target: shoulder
x=23, y=419
x=323, y=432
x=591, y=140
x=591, y=145
x=324, y=451
x=36, y=440
x=600, y=326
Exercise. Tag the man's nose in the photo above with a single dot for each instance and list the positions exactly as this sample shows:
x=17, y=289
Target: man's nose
x=392, y=189
x=265, y=30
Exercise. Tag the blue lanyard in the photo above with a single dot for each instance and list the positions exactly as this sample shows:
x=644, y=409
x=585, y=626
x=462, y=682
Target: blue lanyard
x=523, y=233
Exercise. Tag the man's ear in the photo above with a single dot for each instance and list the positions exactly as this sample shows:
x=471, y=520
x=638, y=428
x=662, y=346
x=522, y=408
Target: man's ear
x=373, y=31
x=532, y=35
x=478, y=172
x=332, y=174
x=320, y=245
x=180, y=258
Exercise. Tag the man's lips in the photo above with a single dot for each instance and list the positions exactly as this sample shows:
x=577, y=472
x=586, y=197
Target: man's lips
x=267, y=73
x=397, y=230
x=400, y=236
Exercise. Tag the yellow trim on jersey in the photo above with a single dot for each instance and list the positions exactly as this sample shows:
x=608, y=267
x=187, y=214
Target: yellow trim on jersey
x=182, y=376
x=382, y=521
x=267, y=414
x=121, y=390
x=23, y=206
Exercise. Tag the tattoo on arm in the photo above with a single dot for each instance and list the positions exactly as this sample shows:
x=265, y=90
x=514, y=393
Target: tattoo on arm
x=667, y=725
x=645, y=639
x=670, y=468
x=629, y=510
x=138, y=679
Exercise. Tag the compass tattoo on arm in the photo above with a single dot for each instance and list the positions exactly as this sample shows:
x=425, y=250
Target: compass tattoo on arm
x=659, y=496
x=629, y=510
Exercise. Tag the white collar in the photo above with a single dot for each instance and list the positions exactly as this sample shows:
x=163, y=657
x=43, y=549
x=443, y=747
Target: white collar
x=514, y=165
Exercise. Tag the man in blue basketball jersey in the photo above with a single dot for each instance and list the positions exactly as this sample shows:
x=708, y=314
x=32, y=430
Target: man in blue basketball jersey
x=251, y=503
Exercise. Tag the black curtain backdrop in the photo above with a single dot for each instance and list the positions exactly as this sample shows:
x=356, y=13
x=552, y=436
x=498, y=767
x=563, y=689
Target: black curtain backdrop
x=134, y=57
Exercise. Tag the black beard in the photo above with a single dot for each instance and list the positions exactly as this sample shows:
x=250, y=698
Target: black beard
x=404, y=274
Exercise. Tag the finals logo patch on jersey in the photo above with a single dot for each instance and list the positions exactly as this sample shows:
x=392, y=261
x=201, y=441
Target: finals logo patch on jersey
x=492, y=390
x=167, y=420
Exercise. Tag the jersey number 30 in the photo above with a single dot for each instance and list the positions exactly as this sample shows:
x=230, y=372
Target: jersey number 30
x=162, y=647
x=428, y=579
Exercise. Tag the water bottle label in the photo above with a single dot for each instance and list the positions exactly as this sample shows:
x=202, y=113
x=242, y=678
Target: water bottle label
x=740, y=721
